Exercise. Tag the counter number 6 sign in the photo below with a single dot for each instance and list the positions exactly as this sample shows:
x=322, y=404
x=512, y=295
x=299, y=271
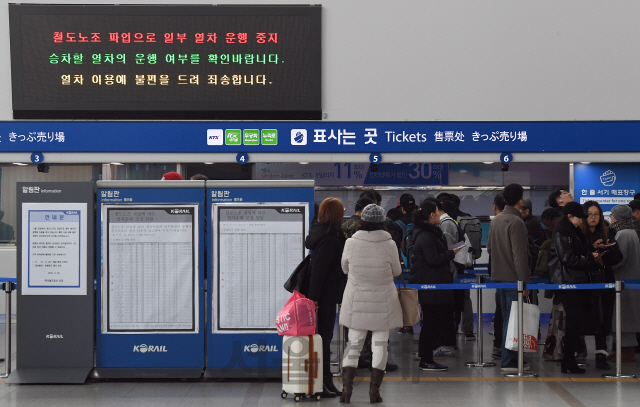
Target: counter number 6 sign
x=506, y=158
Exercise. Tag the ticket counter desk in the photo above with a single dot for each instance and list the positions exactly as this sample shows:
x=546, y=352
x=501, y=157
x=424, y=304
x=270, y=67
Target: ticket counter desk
x=256, y=232
x=150, y=279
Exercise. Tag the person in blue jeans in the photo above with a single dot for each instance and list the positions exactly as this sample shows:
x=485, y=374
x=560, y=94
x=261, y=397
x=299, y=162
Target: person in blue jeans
x=507, y=246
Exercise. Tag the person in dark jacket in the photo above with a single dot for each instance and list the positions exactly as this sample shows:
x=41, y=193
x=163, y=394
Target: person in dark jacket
x=597, y=234
x=430, y=265
x=571, y=258
x=327, y=281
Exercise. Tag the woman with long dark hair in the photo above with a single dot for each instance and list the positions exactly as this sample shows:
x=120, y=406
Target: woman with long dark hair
x=430, y=265
x=327, y=281
x=597, y=233
x=571, y=259
x=370, y=301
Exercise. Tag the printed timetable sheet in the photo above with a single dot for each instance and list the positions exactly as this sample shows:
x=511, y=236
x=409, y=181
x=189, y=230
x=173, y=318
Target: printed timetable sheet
x=150, y=265
x=257, y=247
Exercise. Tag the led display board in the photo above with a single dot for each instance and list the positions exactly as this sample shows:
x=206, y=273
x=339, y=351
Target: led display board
x=165, y=62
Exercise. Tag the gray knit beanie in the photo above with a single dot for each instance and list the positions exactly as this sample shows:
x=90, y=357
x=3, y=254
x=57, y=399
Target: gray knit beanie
x=621, y=212
x=374, y=214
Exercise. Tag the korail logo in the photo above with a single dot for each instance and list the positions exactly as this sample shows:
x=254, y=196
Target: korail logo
x=608, y=178
x=299, y=137
x=52, y=336
x=215, y=137
x=149, y=348
x=260, y=348
x=290, y=210
x=428, y=287
x=567, y=286
x=478, y=286
x=610, y=285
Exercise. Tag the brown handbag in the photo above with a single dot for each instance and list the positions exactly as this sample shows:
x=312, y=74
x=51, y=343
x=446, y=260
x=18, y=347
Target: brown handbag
x=409, y=304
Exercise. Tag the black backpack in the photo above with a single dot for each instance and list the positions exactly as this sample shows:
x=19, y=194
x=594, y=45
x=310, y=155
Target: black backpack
x=473, y=228
x=534, y=252
x=406, y=245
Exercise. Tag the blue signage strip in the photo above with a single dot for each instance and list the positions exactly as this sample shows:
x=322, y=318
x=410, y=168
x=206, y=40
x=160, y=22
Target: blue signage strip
x=177, y=349
x=607, y=184
x=321, y=137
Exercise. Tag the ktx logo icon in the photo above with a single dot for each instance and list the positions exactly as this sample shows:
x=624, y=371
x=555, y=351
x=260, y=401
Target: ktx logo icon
x=299, y=137
x=215, y=137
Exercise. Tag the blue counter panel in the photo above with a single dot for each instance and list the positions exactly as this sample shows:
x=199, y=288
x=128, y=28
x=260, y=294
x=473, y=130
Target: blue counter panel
x=157, y=349
x=244, y=353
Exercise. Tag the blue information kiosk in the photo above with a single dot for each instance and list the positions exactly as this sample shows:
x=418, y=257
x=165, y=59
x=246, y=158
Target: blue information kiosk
x=150, y=319
x=255, y=239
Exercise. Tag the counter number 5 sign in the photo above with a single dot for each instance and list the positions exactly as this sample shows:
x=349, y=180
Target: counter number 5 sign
x=375, y=158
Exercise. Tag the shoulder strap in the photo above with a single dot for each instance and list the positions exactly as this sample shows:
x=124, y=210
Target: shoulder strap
x=402, y=225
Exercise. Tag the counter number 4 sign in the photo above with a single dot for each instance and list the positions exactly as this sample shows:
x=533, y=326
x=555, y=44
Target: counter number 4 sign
x=242, y=158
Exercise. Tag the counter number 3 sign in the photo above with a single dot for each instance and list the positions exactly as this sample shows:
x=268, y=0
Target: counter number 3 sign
x=37, y=158
x=506, y=158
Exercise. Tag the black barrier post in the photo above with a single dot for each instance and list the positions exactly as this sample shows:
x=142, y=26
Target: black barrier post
x=479, y=344
x=521, y=373
x=619, y=287
x=8, y=287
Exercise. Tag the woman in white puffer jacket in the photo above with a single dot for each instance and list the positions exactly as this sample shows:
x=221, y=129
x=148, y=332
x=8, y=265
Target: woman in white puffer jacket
x=370, y=301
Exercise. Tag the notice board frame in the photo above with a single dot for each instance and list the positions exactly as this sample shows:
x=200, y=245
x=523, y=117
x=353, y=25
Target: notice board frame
x=116, y=354
x=55, y=342
x=238, y=354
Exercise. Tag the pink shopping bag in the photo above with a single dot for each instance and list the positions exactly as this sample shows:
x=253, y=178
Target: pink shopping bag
x=298, y=317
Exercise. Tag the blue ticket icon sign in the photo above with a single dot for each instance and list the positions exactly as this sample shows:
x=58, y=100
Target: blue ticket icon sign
x=608, y=178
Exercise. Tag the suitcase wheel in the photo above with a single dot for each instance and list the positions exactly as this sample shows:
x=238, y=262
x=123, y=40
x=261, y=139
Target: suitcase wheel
x=318, y=397
x=284, y=394
x=297, y=399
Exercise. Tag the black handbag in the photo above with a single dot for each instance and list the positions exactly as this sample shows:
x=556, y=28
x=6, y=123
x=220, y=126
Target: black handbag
x=299, y=279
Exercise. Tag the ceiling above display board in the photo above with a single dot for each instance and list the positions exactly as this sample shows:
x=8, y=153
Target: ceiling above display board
x=165, y=62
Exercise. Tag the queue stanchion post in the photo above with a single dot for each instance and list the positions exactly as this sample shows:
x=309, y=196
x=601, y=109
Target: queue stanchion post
x=521, y=373
x=479, y=343
x=337, y=363
x=8, y=287
x=619, y=286
x=340, y=346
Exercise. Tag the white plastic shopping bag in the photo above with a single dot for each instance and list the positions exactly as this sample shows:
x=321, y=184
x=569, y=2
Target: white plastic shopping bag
x=531, y=319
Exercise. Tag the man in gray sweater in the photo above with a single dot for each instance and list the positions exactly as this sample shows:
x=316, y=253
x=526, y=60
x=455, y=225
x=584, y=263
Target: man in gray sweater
x=508, y=249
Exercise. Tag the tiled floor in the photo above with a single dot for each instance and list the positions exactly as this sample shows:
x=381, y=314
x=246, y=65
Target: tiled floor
x=459, y=386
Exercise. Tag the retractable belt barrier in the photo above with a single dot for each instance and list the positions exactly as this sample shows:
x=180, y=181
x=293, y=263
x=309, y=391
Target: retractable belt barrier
x=481, y=283
x=8, y=286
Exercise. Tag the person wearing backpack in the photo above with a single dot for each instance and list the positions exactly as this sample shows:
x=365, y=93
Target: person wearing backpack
x=535, y=232
x=463, y=308
x=405, y=225
x=431, y=265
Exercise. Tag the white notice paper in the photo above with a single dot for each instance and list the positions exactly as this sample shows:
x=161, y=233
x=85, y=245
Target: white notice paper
x=257, y=248
x=54, y=249
x=150, y=268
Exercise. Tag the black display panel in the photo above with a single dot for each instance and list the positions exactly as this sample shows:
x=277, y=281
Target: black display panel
x=165, y=62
